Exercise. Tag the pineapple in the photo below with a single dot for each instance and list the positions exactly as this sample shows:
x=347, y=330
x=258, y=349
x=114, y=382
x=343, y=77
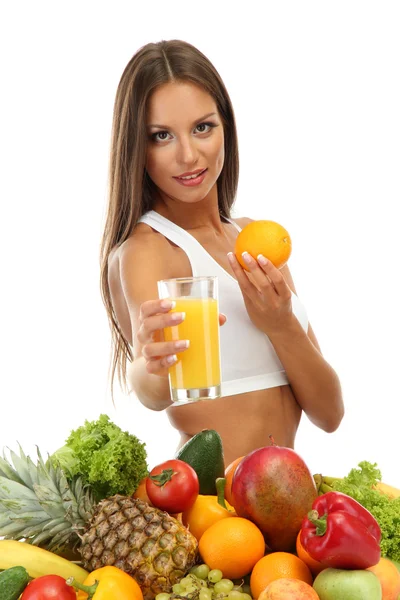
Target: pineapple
x=40, y=505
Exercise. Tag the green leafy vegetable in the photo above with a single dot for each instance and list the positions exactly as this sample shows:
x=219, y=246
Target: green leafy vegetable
x=359, y=485
x=65, y=458
x=112, y=461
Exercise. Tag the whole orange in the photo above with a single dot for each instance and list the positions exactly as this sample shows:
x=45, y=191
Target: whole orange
x=314, y=566
x=277, y=565
x=288, y=589
x=229, y=473
x=267, y=238
x=389, y=577
x=232, y=545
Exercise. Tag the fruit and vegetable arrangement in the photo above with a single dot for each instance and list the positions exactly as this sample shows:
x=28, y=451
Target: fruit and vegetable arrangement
x=93, y=521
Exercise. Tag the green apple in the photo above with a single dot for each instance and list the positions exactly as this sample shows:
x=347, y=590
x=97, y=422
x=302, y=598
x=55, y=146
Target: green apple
x=340, y=584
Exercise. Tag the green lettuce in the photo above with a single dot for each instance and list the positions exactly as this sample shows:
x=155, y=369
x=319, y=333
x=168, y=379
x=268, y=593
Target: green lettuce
x=112, y=461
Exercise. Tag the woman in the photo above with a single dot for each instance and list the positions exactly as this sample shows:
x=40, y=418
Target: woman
x=173, y=180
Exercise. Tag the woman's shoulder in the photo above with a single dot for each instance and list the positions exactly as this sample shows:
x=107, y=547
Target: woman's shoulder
x=145, y=254
x=144, y=243
x=242, y=221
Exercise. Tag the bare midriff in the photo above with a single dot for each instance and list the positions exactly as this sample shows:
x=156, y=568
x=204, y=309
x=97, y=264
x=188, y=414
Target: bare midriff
x=244, y=421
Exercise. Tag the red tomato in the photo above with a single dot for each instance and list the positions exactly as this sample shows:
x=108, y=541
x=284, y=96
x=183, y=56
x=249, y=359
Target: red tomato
x=173, y=486
x=48, y=587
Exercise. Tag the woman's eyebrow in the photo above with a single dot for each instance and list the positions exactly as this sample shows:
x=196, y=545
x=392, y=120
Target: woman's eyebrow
x=194, y=122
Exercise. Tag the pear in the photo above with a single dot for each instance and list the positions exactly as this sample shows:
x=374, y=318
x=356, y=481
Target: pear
x=332, y=584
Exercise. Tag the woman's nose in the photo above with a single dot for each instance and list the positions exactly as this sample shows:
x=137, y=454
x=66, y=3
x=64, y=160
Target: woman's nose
x=187, y=151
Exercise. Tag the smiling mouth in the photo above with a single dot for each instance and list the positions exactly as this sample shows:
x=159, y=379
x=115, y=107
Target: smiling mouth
x=194, y=176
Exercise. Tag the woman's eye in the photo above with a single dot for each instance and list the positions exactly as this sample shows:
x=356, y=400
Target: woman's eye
x=205, y=127
x=160, y=136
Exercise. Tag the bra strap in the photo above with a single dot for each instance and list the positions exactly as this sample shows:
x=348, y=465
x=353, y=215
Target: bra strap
x=236, y=226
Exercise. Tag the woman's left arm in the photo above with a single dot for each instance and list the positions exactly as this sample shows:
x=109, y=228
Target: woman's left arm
x=268, y=298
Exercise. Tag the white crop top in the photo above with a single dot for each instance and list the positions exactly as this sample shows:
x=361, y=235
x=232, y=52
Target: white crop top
x=248, y=359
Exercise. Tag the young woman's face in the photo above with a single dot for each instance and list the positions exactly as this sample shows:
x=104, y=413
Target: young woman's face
x=185, y=136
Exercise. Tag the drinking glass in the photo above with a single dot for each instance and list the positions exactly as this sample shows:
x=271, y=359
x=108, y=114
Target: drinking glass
x=197, y=373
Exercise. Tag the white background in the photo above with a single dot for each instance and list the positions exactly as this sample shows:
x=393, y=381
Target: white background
x=315, y=86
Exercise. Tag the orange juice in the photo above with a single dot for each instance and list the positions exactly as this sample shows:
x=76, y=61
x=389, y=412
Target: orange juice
x=199, y=365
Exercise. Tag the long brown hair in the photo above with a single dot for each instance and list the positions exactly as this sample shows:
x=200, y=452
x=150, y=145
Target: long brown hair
x=129, y=188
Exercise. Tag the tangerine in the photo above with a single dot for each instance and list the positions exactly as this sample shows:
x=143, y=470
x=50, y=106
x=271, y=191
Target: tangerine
x=389, y=578
x=233, y=546
x=229, y=473
x=278, y=565
x=288, y=589
x=267, y=238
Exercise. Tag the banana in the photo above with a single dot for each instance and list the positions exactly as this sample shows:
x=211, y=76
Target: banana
x=318, y=480
x=388, y=490
x=324, y=484
x=38, y=561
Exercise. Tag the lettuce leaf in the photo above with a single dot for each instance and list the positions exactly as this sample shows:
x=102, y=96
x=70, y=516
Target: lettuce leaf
x=112, y=461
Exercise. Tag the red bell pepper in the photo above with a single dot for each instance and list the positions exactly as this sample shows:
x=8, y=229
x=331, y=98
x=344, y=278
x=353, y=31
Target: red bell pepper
x=340, y=533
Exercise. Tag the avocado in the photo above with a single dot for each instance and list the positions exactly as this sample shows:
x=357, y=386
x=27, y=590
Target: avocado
x=205, y=454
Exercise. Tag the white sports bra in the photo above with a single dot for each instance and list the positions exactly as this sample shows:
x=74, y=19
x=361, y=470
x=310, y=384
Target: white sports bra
x=248, y=359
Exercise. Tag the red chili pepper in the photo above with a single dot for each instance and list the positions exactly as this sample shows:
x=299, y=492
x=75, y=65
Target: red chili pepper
x=340, y=533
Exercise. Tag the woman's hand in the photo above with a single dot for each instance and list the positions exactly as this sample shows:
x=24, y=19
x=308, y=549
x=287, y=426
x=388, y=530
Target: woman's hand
x=154, y=316
x=266, y=294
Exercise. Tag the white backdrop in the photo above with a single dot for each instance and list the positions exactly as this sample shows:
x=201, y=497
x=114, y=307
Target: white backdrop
x=315, y=86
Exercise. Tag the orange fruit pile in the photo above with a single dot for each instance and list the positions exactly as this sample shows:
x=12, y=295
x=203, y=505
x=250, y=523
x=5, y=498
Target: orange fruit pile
x=267, y=238
x=277, y=565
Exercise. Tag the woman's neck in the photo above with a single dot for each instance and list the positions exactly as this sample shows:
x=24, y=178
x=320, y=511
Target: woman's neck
x=191, y=216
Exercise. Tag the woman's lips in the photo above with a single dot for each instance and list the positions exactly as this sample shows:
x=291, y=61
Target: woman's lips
x=192, y=182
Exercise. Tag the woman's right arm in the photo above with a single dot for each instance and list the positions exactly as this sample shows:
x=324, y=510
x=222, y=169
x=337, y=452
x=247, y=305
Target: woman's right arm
x=142, y=264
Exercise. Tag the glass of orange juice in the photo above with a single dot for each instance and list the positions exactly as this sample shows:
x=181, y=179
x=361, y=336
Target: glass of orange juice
x=197, y=373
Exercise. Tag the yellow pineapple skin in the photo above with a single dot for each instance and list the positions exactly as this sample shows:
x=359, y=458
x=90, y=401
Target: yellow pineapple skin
x=149, y=544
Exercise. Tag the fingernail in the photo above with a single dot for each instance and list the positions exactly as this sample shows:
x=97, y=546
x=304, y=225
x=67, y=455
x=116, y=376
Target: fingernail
x=246, y=257
x=168, y=304
x=231, y=258
x=171, y=359
x=182, y=344
x=178, y=316
x=262, y=260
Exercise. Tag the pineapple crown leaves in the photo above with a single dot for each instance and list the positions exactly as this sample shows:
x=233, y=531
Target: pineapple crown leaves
x=7, y=471
x=38, y=503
